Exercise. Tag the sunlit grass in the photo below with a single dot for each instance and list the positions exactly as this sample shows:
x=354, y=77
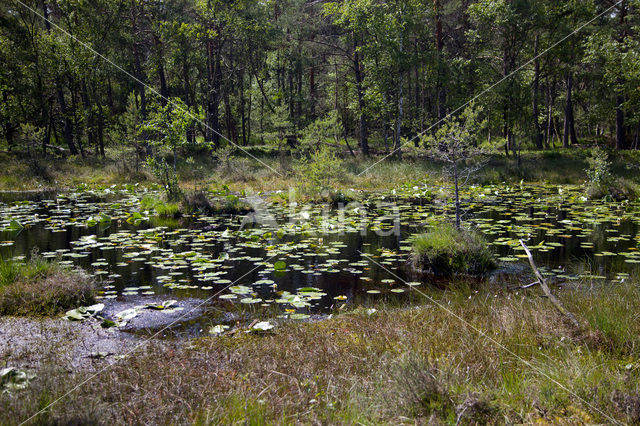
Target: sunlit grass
x=271, y=172
x=164, y=209
x=490, y=356
x=41, y=287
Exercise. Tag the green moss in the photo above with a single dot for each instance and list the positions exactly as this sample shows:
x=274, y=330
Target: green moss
x=446, y=251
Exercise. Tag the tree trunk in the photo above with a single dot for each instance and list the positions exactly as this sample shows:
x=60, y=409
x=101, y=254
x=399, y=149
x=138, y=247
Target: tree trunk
x=139, y=75
x=74, y=112
x=455, y=181
x=249, y=108
x=312, y=92
x=550, y=134
x=621, y=142
x=506, y=131
x=101, y=130
x=243, y=119
x=569, y=125
x=68, y=124
x=397, y=147
x=536, y=84
x=188, y=97
x=90, y=124
x=298, y=88
x=232, y=131
x=506, y=111
x=213, y=94
x=164, y=90
x=364, y=143
x=442, y=96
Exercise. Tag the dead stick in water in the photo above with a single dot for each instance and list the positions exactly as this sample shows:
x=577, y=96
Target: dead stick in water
x=547, y=291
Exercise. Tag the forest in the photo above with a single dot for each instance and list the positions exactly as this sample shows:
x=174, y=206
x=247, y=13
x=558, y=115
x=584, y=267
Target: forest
x=319, y=212
x=80, y=76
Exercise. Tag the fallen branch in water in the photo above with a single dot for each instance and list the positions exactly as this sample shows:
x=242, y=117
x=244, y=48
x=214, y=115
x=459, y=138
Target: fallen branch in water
x=522, y=287
x=548, y=293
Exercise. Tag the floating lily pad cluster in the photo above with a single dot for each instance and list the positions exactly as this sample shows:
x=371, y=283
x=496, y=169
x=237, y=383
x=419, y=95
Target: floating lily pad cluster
x=301, y=258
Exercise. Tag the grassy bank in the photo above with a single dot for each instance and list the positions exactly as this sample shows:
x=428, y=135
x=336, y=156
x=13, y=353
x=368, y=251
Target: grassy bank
x=41, y=287
x=398, y=365
x=272, y=173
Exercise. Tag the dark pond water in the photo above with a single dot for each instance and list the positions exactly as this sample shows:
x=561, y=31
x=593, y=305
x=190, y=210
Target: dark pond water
x=299, y=260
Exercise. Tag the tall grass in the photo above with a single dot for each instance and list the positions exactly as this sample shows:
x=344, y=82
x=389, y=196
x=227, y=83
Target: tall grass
x=36, y=268
x=162, y=208
x=244, y=173
x=41, y=287
x=398, y=365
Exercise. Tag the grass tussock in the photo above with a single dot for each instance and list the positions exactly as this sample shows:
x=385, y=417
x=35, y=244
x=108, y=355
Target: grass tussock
x=620, y=189
x=397, y=365
x=446, y=250
x=199, y=201
x=40, y=287
x=164, y=209
x=195, y=202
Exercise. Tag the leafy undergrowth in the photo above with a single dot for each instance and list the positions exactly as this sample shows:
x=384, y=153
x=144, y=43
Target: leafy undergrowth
x=396, y=365
x=41, y=287
x=446, y=250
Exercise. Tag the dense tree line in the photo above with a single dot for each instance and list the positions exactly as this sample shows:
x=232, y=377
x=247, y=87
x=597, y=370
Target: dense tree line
x=254, y=72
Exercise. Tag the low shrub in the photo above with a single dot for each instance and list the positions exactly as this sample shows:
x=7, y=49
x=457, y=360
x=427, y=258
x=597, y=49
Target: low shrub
x=41, y=287
x=446, y=251
x=319, y=173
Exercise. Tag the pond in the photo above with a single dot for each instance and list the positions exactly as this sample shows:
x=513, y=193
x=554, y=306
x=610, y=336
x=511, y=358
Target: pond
x=297, y=260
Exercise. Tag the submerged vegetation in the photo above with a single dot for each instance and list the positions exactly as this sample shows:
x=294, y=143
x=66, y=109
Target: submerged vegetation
x=42, y=287
x=446, y=250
